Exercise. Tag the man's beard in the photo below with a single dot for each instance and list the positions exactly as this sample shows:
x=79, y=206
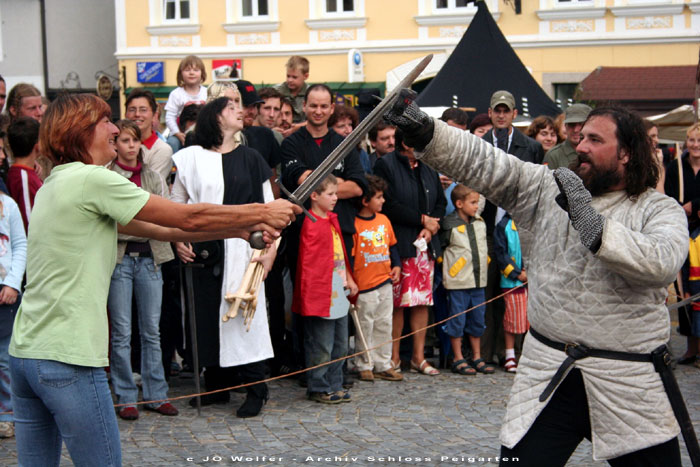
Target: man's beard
x=596, y=180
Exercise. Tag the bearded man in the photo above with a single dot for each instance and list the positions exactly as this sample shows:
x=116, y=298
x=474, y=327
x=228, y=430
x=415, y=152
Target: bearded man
x=605, y=246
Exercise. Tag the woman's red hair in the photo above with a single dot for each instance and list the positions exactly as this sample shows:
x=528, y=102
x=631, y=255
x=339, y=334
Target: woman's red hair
x=68, y=126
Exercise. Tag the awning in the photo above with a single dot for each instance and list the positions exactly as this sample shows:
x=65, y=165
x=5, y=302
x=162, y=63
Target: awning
x=672, y=125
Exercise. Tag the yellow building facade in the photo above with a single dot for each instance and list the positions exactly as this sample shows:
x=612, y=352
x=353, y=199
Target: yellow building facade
x=559, y=41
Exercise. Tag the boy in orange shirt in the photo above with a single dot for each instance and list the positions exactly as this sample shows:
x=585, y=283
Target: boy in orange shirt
x=377, y=266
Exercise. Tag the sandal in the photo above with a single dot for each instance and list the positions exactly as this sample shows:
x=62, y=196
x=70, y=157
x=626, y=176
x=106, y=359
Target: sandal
x=425, y=368
x=481, y=366
x=511, y=366
x=396, y=365
x=464, y=369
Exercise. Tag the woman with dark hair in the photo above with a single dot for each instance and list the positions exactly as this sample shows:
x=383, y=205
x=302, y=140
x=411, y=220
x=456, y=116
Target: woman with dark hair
x=415, y=203
x=544, y=131
x=480, y=125
x=219, y=170
x=653, y=133
x=60, y=337
x=343, y=120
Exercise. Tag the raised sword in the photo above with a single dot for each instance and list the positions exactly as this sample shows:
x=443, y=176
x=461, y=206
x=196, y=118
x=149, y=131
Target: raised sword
x=304, y=190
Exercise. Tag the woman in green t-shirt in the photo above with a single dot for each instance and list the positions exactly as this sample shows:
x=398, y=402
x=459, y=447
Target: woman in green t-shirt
x=60, y=338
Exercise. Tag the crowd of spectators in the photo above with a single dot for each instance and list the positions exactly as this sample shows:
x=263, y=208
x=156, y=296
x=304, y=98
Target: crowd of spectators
x=408, y=245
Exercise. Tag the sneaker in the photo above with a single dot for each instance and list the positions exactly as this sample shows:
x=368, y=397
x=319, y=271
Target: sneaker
x=325, y=397
x=128, y=413
x=366, y=375
x=7, y=430
x=389, y=375
x=510, y=365
x=344, y=395
x=165, y=408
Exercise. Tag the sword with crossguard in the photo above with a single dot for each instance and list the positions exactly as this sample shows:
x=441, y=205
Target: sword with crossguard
x=302, y=193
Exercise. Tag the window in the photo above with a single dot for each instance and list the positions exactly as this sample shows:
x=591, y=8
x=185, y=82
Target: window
x=176, y=10
x=340, y=6
x=564, y=94
x=251, y=8
x=450, y=4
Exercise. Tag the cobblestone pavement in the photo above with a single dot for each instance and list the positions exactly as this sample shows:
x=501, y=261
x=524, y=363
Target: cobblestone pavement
x=443, y=420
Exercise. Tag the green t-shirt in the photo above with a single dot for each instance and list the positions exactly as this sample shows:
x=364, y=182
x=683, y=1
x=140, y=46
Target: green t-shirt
x=71, y=249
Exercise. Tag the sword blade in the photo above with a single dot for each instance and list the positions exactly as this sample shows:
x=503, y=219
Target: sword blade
x=307, y=187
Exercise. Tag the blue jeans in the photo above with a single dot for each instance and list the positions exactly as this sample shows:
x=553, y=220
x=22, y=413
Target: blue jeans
x=174, y=143
x=56, y=402
x=325, y=340
x=5, y=400
x=140, y=276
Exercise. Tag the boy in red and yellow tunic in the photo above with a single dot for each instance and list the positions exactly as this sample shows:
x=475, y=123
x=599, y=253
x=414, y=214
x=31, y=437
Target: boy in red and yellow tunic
x=322, y=276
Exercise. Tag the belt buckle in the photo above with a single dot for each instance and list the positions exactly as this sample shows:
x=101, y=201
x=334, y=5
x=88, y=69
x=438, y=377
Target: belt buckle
x=576, y=351
x=667, y=358
x=134, y=254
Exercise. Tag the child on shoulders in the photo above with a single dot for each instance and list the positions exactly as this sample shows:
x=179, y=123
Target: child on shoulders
x=323, y=274
x=464, y=270
x=377, y=267
x=191, y=73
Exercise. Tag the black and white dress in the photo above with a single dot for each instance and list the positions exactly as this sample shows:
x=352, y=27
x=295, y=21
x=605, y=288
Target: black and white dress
x=238, y=177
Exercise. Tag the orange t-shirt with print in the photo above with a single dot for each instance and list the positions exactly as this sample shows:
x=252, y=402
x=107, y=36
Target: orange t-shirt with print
x=373, y=238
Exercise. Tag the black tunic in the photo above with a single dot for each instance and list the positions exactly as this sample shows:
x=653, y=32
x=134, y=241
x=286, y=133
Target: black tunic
x=244, y=171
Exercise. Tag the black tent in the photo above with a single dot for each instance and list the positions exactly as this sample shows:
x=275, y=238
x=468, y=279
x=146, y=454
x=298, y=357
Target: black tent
x=482, y=63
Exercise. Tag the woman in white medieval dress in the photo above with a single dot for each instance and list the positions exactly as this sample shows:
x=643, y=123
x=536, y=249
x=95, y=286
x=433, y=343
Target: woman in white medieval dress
x=219, y=170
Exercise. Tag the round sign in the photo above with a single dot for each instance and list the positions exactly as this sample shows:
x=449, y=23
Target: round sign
x=104, y=87
x=357, y=58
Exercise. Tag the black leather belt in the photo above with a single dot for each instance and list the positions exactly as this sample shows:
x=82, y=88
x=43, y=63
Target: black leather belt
x=660, y=357
x=577, y=352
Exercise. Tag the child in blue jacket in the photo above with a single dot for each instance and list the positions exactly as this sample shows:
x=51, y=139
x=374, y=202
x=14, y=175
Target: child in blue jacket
x=509, y=259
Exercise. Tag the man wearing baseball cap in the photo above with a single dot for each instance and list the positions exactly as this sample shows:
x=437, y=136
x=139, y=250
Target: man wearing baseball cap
x=502, y=111
x=260, y=138
x=564, y=153
x=250, y=100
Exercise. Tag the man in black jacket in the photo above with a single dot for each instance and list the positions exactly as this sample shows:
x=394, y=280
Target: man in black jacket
x=502, y=112
x=504, y=136
x=302, y=152
x=305, y=149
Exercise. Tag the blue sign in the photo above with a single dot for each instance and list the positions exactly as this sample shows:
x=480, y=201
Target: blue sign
x=357, y=58
x=150, y=72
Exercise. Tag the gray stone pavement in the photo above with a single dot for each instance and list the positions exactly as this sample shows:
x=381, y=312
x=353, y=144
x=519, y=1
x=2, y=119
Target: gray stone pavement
x=443, y=420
